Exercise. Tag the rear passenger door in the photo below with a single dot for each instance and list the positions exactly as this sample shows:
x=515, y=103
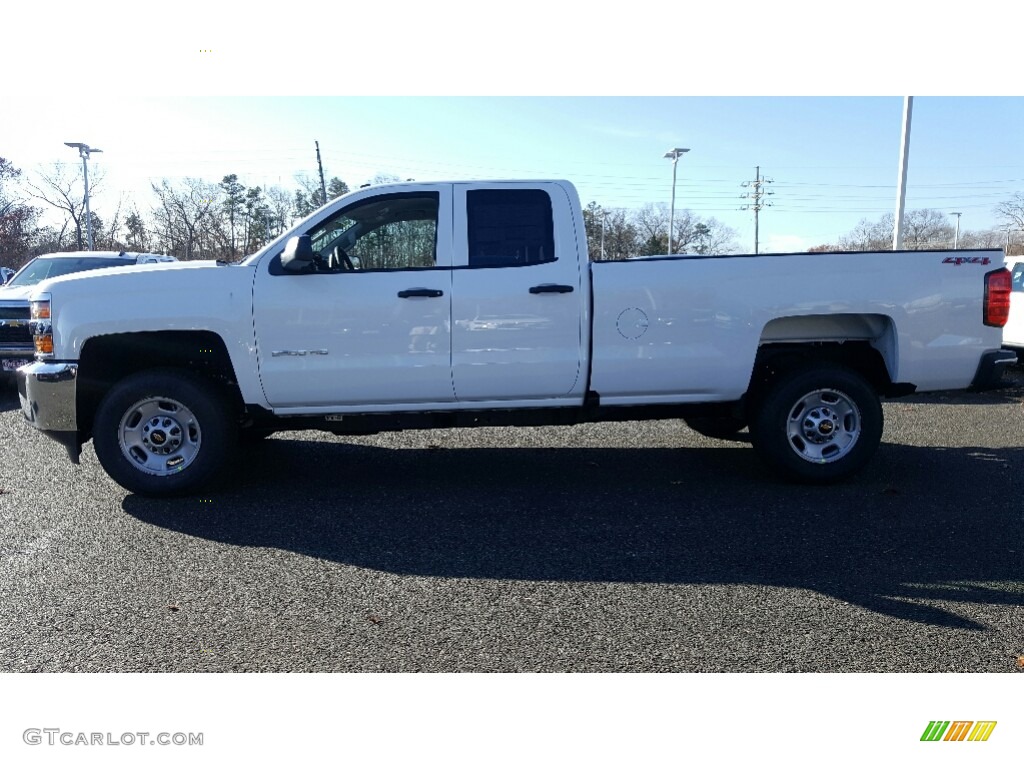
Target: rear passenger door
x=518, y=299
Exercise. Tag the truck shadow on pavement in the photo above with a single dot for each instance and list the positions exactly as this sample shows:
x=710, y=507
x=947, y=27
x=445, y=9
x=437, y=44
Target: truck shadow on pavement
x=921, y=531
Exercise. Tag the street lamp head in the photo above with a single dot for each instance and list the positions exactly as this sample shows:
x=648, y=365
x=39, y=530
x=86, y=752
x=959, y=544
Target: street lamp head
x=83, y=149
x=673, y=154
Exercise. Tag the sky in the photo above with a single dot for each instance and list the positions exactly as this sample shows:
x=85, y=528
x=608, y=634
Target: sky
x=827, y=134
x=832, y=161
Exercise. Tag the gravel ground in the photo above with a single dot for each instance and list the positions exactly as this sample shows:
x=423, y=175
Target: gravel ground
x=635, y=547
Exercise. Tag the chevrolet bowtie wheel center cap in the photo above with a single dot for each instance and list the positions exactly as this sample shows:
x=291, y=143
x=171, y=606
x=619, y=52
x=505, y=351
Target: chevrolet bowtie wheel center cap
x=162, y=435
x=821, y=425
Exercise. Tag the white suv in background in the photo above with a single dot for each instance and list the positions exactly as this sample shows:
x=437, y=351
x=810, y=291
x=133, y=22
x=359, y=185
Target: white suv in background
x=1013, y=331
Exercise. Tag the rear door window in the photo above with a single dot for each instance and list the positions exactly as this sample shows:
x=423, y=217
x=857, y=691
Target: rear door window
x=509, y=227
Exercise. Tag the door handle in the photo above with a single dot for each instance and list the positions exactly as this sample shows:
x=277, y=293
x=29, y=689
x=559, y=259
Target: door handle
x=551, y=288
x=417, y=293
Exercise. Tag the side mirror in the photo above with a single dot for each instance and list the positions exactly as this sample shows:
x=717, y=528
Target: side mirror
x=298, y=253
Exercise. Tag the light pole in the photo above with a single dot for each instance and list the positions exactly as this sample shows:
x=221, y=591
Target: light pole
x=83, y=151
x=673, y=155
x=956, y=237
x=901, y=192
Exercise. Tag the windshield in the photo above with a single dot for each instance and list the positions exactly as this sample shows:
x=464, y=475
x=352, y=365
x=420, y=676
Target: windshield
x=40, y=269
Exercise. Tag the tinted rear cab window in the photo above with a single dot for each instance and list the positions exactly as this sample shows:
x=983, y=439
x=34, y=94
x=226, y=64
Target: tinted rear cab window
x=509, y=227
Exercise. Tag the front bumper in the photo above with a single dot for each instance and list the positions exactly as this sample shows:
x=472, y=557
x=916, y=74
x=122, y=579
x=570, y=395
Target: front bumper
x=48, y=394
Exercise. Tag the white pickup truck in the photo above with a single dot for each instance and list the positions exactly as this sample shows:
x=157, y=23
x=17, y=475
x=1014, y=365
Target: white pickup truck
x=459, y=304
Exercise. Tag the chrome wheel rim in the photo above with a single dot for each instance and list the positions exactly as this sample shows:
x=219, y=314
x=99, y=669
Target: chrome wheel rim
x=823, y=426
x=159, y=436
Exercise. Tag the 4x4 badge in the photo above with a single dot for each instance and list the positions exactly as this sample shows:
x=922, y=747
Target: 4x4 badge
x=958, y=260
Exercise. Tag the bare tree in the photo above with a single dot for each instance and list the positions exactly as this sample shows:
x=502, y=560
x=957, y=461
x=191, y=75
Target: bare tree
x=1011, y=215
x=711, y=238
x=691, y=234
x=620, y=235
x=651, y=224
x=18, y=221
x=1011, y=212
x=985, y=238
x=233, y=204
x=137, y=236
x=256, y=218
x=869, y=236
x=279, y=202
x=927, y=228
x=309, y=197
x=111, y=238
x=183, y=216
x=65, y=191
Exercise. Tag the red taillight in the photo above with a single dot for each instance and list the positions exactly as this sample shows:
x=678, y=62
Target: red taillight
x=997, y=297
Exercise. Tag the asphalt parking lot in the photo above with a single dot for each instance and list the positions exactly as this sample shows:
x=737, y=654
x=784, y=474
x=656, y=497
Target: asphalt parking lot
x=618, y=547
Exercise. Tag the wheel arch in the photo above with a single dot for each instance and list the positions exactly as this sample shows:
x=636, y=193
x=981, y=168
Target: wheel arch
x=105, y=360
x=843, y=336
x=864, y=343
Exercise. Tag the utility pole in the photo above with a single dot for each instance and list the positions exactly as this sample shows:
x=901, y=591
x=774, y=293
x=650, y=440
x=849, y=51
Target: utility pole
x=901, y=192
x=320, y=165
x=956, y=237
x=757, y=194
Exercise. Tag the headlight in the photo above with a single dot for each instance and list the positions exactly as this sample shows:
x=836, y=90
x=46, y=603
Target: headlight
x=41, y=327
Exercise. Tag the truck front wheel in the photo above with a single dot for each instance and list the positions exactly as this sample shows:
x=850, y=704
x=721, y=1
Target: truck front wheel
x=162, y=433
x=818, y=424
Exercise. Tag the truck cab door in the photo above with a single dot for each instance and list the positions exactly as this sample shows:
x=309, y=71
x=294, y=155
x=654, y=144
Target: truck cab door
x=368, y=323
x=519, y=300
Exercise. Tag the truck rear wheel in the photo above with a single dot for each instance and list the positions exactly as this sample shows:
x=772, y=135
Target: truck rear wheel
x=818, y=424
x=163, y=433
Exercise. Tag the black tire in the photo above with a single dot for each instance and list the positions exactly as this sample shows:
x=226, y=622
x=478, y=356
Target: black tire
x=163, y=432
x=718, y=427
x=818, y=424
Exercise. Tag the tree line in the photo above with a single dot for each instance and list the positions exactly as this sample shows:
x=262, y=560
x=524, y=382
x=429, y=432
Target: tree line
x=620, y=233
x=197, y=219
x=190, y=219
x=928, y=228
